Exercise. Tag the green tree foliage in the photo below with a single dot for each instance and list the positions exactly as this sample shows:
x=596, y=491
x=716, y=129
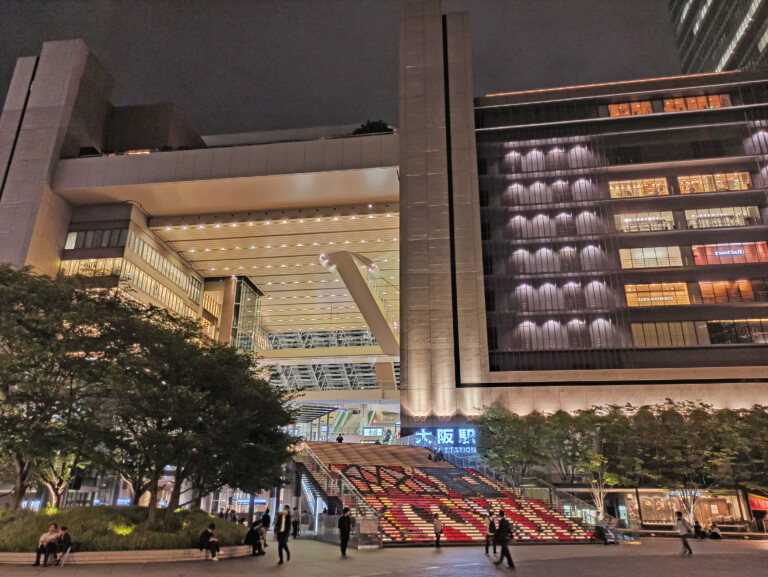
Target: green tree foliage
x=687, y=448
x=90, y=378
x=684, y=447
x=511, y=443
x=568, y=441
x=372, y=127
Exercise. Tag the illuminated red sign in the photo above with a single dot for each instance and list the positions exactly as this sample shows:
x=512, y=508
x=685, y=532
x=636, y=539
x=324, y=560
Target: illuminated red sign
x=758, y=503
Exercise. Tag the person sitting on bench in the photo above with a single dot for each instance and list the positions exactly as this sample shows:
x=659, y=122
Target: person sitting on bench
x=63, y=544
x=208, y=542
x=47, y=545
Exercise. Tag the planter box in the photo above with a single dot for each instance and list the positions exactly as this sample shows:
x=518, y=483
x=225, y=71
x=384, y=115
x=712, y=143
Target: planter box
x=114, y=557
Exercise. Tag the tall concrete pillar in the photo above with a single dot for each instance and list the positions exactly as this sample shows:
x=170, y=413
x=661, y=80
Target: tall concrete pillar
x=227, y=310
x=443, y=336
x=52, y=110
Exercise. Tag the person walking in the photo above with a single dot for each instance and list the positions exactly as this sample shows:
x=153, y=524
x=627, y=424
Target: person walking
x=502, y=538
x=339, y=439
x=283, y=531
x=683, y=529
x=437, y=524
x=295, y=522
x=345, y=528
x=490, y=531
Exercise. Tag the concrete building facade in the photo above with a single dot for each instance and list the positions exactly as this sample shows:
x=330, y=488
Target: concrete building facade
x=542, y=250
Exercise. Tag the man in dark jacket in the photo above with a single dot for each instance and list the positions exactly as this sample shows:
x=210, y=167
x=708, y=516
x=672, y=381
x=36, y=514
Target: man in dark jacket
x=63, y=543
x=253, y=538
x=295, y=522
x=265, y=520
x=283, y=531
x=209, y=542
x=502, y=537
x=345, y=528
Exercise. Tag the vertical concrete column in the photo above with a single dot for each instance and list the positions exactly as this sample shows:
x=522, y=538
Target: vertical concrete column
x=426, y=337
x=467, y=239
x=13, y=113
x=70, y=88
x=227, y=310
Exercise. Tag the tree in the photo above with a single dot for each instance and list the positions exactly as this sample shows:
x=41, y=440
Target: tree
x=567, y=440
x=53, y=351
x=372, y=127
x=608, y=459
x=510, y=443
x=686, y=448
x=751, y=463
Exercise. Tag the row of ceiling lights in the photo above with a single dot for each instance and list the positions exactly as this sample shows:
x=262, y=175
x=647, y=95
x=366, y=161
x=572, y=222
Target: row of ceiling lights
x=253, y=247
x=268, y=222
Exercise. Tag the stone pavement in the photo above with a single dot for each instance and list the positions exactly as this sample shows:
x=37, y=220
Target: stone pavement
x=654, y=558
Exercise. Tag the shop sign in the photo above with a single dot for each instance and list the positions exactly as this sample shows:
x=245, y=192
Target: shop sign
x=373, y=431
x=732, y=252
x=758, y=503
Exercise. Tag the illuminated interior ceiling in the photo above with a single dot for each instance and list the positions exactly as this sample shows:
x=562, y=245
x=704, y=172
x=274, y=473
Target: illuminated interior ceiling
x=280, y=251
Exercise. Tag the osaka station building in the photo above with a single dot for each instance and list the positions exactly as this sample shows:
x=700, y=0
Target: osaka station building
x=540, y=250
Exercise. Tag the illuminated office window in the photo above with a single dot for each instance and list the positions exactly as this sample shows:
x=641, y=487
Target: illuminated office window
x=644, y=221
x=92, y=267
x=728, y=291
x=650, y=257
x=714, y=182
x=664, y=334
x=738, y=331
x=640, y=187
x=722, y=217
x=732, y=253
x=630, y=108
x=696, y=103
x=657, y=294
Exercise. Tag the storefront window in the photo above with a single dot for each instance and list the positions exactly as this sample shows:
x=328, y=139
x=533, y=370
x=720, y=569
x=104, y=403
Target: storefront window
x=630, y=108
x=722, y=217
x=733, y=253
x=650, y=257
x=714, y=182
x=644, y=221
x=641, y=187
x=729, y=291
x=696, y=103
x=657, y=294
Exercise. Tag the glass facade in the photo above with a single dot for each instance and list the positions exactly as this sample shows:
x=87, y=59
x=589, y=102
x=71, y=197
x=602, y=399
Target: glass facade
x=731, y=253
x=187, y=282
x=714, y=182
x=593, y=225
x=714, y=36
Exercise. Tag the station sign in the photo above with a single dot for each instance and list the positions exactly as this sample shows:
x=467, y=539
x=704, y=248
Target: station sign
x=457, y=440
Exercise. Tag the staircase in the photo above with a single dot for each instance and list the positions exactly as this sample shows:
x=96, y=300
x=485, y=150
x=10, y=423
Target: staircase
x=406, y=489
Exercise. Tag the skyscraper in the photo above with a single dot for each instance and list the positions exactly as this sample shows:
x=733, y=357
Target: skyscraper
x=718, y=35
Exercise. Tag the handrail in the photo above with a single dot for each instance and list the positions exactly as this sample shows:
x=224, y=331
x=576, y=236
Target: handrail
x=346, y=482
x=481, y=464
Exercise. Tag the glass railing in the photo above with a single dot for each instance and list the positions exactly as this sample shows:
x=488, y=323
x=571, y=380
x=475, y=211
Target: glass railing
x=530, y=488
x=376, y=285
x=336, y=486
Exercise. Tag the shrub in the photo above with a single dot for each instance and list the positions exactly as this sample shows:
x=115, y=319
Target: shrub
x=114, y=529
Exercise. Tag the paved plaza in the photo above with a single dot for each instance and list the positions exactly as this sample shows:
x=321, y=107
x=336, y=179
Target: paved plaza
x=310, y=558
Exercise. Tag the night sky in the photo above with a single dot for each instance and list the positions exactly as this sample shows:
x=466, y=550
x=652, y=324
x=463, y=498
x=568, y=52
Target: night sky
x=247, y=65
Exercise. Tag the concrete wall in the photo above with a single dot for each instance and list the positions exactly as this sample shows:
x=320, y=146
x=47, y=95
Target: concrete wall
x=33, y=219
x=150, y=126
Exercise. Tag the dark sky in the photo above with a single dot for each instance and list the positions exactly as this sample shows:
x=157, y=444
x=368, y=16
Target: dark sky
x=246, y=65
